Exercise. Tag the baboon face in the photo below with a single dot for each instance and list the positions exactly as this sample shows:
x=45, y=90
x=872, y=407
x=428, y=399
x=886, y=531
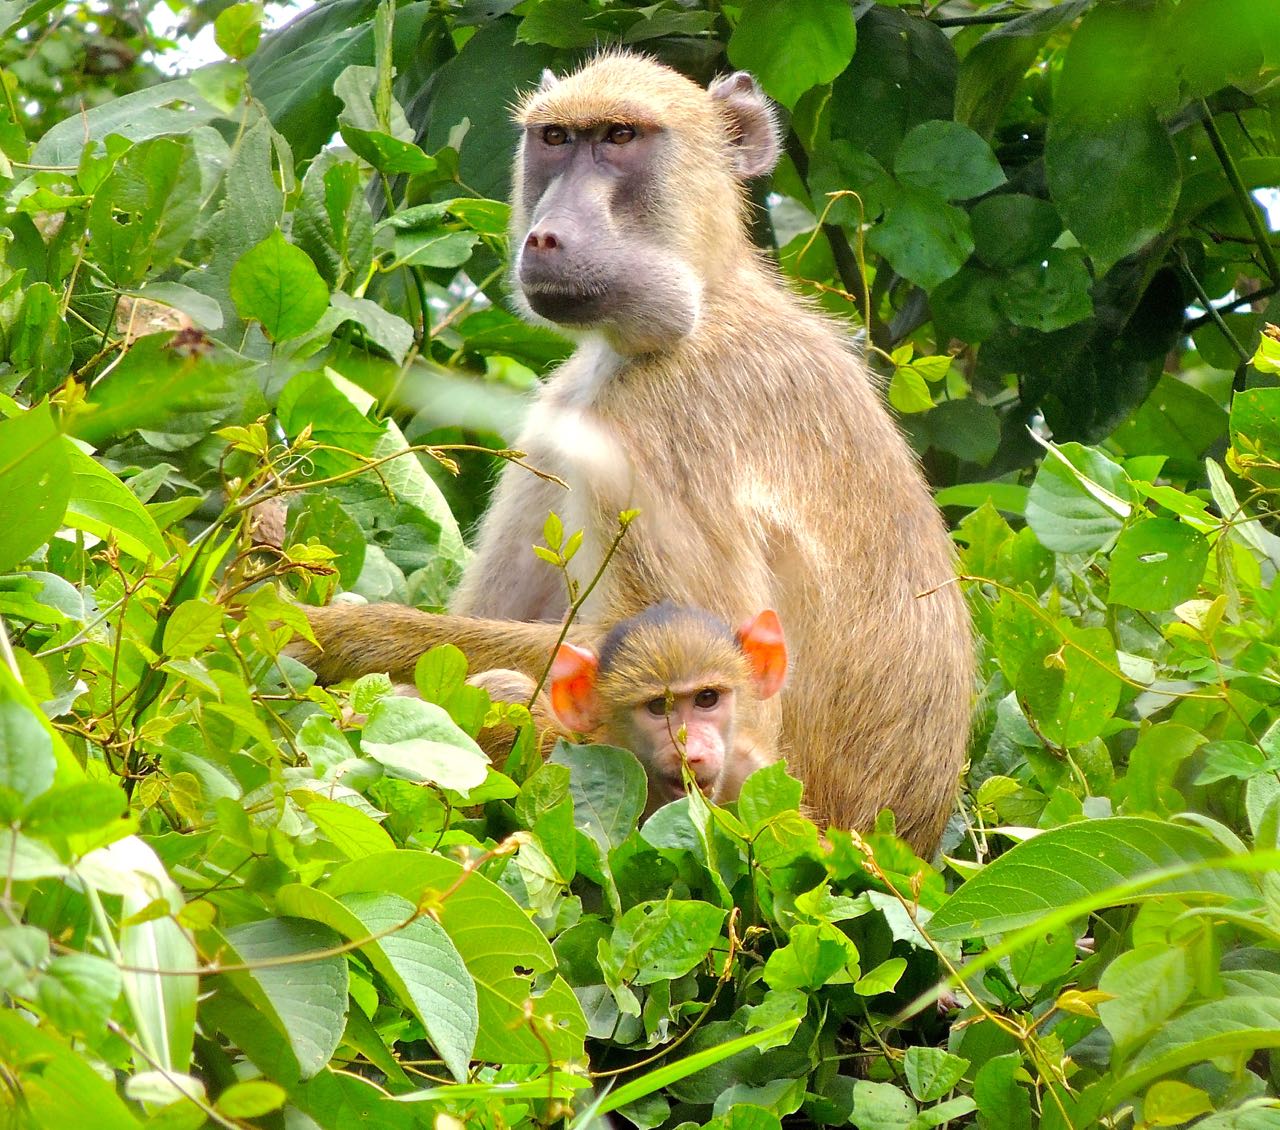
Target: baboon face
x=628, y=198
x=589, y=192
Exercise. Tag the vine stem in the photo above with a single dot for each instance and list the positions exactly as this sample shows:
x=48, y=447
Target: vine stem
x=624, y=523
x=1260, y=234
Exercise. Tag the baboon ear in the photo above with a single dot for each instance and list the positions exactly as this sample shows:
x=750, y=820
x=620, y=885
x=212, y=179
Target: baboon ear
x=548, y=79
x=753, y=126
x=762, y=643
x=573, y=688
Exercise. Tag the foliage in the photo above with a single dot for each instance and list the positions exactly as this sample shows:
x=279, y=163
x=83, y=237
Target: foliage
x=242, y=365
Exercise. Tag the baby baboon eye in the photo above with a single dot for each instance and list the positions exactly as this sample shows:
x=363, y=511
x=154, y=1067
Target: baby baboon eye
x=657, y=707
x=620, y=134
x=555, y=135
x=706, y=698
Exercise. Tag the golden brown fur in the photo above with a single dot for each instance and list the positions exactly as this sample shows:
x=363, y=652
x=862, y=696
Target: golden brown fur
x=767, y=472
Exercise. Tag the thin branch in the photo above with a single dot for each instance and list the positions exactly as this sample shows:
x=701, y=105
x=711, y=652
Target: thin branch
x=1242, y=196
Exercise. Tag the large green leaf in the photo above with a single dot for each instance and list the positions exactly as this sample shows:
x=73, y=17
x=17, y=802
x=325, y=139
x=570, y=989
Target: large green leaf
x=791, y=47
x=1084, y=861
x=58, y=1087
x=949, y=159
x=609, y=789
x=1079, y=499
x=276, y=284
x=305, y=1001
x=102, y=505
x=1245, y=1021
x=34, y=485
x=503, y=951
x=412, y=953
x=1157, y=564
x=146, y=210
x=166, y=108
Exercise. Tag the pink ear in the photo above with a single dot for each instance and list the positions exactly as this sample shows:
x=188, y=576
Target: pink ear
x=573, y=688
x=762, y=642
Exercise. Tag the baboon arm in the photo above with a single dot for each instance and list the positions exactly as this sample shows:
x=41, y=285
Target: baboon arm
x=356, y=639
x=505, y=581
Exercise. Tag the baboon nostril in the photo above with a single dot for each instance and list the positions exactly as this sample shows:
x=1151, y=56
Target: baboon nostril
x=544, y=241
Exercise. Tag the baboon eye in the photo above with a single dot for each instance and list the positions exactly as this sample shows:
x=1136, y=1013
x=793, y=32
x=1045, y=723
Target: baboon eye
x=620, y=134
x=555, y=135
x=706, y=698
x=657, y=707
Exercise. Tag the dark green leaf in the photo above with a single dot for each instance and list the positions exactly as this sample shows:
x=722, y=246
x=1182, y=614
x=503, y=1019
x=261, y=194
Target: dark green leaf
x=1115, y=182
x=926, y=239
x=948, y=159
x=1012, y=228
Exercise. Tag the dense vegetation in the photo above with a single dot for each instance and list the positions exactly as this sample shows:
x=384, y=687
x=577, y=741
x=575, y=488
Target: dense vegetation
x=244, y=362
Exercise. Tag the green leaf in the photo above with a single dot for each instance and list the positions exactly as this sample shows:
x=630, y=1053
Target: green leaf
x=276, y=283
x=882, y=979
x=386, y=330
x=192, y=627
x=559, y=23
x=909, y=391
x=948, y=159
x=903, y=73
x=881, y=1106
x=59, y=1086
x=1071, y=685
x=1244, y=1022
x=418, y=741
x=1049, y=294
x=27, y=763
x=1149, y=984
x=1174, y=1103
x=350, y=830
x=254, y=1098
x=608, y=787
x=305, y=1001
x=237, y=30
x=768, y=792
x=1001, y=1101
x=438, y=248
x=1115, y=182
x=1255, y=416
x=40, y=341
x=792, y=47
x=71, y=809
x=660, y=941
x=23, y=950
x=412, y=953
x=1012, y=229
x=77, y=993
x=1076, y=861
x=1079, y=499
x=926, y=239
x=146, y=211
x=503, y=950
x=1157, y=564
x=34, y=484
x=166, y=108
x=932, y=1072
x=1009, y=497
x=102, y=505
x=813, y=956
